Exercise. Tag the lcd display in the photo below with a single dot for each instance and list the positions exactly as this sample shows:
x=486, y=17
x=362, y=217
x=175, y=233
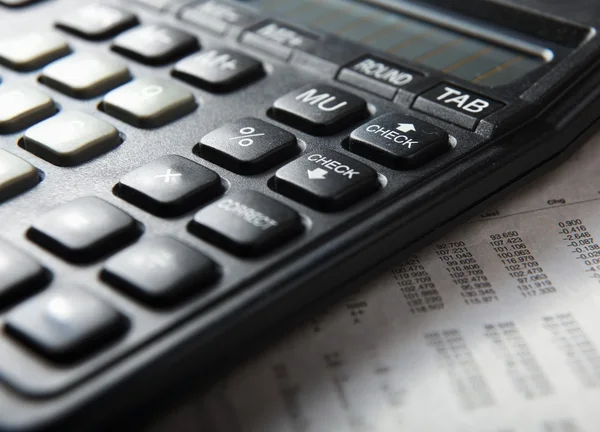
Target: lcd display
x=405, y=37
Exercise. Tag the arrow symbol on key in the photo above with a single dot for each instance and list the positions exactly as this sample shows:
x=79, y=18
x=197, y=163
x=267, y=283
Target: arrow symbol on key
x=316, y=174
x=406, y=127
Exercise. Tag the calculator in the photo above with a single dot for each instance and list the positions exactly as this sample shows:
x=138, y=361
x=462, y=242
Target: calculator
x=177, y=178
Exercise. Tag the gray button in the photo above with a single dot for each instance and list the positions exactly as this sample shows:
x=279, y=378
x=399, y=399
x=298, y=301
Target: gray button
x=21, y=107
x=71, y=138
x=16, y=175
x=84, y=75
x=32, y=50
x=97, y=21
x=149, y=102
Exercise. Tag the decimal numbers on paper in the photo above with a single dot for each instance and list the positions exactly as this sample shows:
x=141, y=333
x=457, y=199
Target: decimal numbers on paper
x=456, y=359
x=466, y=273
x=580, y=353
x=521, y=265
x=419, y=291
x=582, y=245
x=520, y=363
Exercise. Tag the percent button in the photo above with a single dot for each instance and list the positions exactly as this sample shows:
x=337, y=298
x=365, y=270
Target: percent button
x=248, y=146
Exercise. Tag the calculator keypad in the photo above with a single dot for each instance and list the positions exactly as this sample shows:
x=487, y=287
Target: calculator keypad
x=66, y=324
x=212, y=163
x=32, y=50
x=97, y=21
x=160, y=271
x=155, y=44
x=71, y=138
x=84, y=229
x=149, y=102
x=85, y=76
x=169, y=186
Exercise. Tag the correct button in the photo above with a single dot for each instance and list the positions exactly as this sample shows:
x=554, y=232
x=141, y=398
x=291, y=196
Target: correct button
x=326, y=180
x=247, y=223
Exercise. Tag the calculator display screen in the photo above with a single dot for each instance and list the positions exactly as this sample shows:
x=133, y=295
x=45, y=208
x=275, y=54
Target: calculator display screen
x=449, y=51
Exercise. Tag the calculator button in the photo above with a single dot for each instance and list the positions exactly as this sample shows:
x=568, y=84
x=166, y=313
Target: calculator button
x=21, y=275
x=84, y=76
x=319, y=109
x=65, y=324
x=84, y=229
x=32, y=51
x=218, y=70
x=247, y=223
x=399, y=141
x=160, y=5
x=169, y=186
x=16, y=175
x=155, y=44
x=21, y=107
x=326, y=180
x=456, y=105
x=97, y=21
x=16, y=2
x=248, y=146
x=216, y=16
x=149, y=102
x=160, y=271
x=71, y=138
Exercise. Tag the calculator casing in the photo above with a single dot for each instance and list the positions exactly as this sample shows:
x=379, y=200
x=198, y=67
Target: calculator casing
x=549, y=113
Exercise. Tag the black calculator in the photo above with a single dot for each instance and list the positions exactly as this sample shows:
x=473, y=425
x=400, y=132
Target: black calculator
x=178, y=177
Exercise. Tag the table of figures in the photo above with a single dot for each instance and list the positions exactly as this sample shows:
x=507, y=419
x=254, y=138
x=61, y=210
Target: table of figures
x=494, y=328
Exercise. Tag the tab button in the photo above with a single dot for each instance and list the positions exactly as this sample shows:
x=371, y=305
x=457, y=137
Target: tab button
x=456, y=105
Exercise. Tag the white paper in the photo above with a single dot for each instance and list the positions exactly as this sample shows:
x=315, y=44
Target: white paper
x=424, y=348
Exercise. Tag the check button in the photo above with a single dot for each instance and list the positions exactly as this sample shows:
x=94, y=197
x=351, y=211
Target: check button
x=326, y=180
x=399, y=141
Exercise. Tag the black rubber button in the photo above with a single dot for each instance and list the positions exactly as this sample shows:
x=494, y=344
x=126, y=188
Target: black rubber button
x=326, y=180
x=319, y=109
x=97, y=21
x=84, y=229
x=169, y=186
x=155, y=44
x=65, y=324
x=247, y=223
x=456, y=105
x=219, y=70
x=160, y=271
x=21, y=275
x=248, y=146
x=399, y=141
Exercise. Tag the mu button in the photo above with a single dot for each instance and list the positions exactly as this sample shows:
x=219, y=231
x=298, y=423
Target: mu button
x=326, y=180
x=319, y=109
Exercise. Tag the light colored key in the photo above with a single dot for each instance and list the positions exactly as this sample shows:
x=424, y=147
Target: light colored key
x=21, y=107
x=149, y=102
x=32, y=50
x=71, y=138
x=16, y=175
x=84, y=75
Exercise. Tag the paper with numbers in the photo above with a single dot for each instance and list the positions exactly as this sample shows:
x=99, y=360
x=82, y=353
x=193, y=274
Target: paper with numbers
x=495, y=328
